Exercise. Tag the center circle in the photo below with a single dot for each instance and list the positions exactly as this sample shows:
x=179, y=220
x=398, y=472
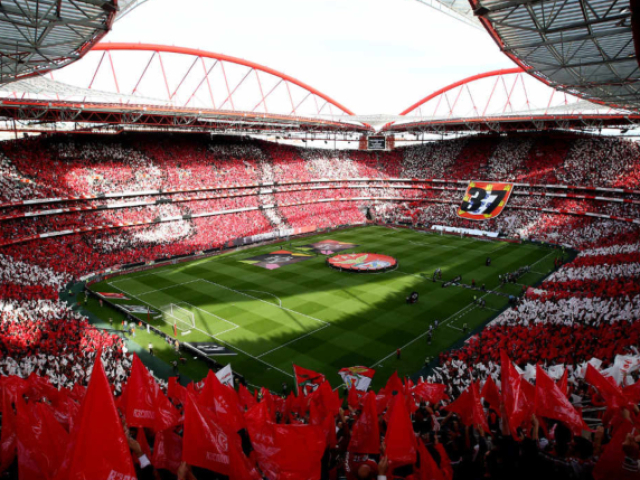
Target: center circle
x=362, y=262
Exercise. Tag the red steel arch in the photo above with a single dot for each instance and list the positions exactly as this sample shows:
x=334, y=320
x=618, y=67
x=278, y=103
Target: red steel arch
x=217, y=56
x=473, y=78
x=502, y=100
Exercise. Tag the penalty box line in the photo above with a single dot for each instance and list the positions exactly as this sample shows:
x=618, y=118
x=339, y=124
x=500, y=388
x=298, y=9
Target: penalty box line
x=235, y=325
x=324, y=324
x=217, y=339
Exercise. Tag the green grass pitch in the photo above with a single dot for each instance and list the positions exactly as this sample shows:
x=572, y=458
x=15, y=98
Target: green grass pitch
x=323, y=319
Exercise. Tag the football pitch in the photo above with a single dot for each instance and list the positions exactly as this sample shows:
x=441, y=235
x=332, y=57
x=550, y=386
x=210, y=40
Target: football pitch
x=307, y=313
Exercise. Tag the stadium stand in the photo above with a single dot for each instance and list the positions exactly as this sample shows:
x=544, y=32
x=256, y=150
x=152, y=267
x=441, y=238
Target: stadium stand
x=139, y=197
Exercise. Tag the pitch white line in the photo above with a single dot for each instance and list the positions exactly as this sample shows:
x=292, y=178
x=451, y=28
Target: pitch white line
x=218, y=339
x=434, y=244
x=260, y=291
x=291, y=341
x=264, y=301
x=460, y=313
x=407, y=273
x=128, y=278
x=168, y=288
x=550, y=253
x=235, y=325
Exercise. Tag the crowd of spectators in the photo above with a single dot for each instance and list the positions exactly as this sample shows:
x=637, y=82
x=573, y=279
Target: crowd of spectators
x=587, y=311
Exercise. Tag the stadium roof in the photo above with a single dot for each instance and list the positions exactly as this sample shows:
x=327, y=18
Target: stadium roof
x=459, y=9
x=144, y=86
x=582, y=47
x=158, y=86
x=40, y=35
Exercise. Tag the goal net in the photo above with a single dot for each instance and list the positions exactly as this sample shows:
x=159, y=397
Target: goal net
x=176, y=315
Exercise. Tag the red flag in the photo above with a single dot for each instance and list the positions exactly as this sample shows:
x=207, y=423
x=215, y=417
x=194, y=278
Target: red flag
x=479, y=418
x=611, y=393
x=78, y=392
x=467, y=406
x=327, y=422
x=365, y=434
x=563, y=383
x=241, y=467
x=14, y=386
x=382, y=403
x=445, y=462
x=291, y=452
x=400, y=439
x=394, y=384
x=491, y=394
x=100, y=448
x=632, y=392
x=146, y=405
x=224, y=402
x=529, y=398
x=288, y=407
x=167, y=451
x=8, y=437
x=301, y=450
x=175, y=330
x=431, y=392
x=205, y=444
x=74, y=414
x=461, y=406
x=246, y=399
x=52, y=438
x=176, y=391
x=141, y=438
x=32, y=462
x=551, y=402
x=39, y=388
x=325, y=398
x=513, y=398
x=353, y=399
x=263, y=439
x=307, y=380
x=609, y=464
x=428, y=467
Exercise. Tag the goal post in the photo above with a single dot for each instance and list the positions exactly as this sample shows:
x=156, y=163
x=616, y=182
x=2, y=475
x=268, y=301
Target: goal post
x=173, y=314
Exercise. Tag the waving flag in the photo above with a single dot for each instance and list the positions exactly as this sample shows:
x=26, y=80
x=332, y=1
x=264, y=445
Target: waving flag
x=484, y=200
x=551, y=402
x=358, y=377
x=307, y=380
x=225, y=375
x=146, y=405
x=99, y=448
x=365, y=435
x=611, y=393
x=8, y=437
x=431, y=392
x=400, y=439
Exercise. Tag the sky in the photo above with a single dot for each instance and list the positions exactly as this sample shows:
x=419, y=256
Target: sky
x=373, y=56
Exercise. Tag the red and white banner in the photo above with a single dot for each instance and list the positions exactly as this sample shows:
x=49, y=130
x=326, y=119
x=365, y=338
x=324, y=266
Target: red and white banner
x=358, y=377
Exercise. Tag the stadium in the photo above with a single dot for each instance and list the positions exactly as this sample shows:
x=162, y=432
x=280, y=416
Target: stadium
x=213, y=269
